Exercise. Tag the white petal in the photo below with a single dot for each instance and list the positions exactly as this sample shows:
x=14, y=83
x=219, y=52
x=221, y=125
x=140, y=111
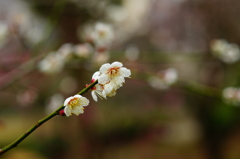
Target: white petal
x=125, y=72
x=118, y=81
x=84, y=101
x=118, y=64
x=67, y=100
x=104, y=67
x=96, y=75
x=78, y=111
x=94, y=96
x=108, y=88
x=67, y=111
x=103, y=79
x=78, y=96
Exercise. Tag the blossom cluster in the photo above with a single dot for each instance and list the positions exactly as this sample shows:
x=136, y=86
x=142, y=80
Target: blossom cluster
x=98, y=41
x=231, y=95
x=110, y=78
x=164, y=79
x=227, y=52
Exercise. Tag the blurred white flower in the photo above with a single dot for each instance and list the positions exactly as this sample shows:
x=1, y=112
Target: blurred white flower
x=164, y=79
x=132, y=53
x=26, y=97
x=66, y=51
x=100, y=57
x=116, y=13
x=231, y=95
x=83, y=50
x=55, y=102
x=102, y=34
x=52, y=63
x=227, y=52
x=75, y=105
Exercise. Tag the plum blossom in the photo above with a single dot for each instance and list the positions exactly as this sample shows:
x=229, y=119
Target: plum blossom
x=164, y=79
x=227, y=52
x=102, y=34
x=113, y=74
x=231, y=95
x=66, y=51
x=83, y=50
x=75, y=105
x=52, y=63
x=110, y=78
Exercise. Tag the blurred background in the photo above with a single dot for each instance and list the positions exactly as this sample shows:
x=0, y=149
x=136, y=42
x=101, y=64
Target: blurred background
x=182, y=101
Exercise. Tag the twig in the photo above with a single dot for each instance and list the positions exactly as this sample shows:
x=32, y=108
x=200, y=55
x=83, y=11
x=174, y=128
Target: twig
x=40, y=122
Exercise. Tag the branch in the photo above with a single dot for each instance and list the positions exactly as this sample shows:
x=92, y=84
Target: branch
x=40, y=122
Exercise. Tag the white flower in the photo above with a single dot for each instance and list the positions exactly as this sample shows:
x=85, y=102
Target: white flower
x=164, y=79
x=100, y=57
x=227, y=52
x=65, y=51
x=83, y=50
x=113, y=74
x=232, y=95
x=110, y=78
x=169, y=75
x=75, y=105
x=52, y=63
x=102, y=34
x=132, y=53
x=54, y=102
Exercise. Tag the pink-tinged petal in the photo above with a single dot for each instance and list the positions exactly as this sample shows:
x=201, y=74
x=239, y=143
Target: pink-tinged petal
x=84, y=101
x=103, y=79
x=116, y=64
x=67, y=101
x=67, y=111
x=104, y=67
x=94, y=96
x=77, y=111
x=125, y=72
x=96, y=75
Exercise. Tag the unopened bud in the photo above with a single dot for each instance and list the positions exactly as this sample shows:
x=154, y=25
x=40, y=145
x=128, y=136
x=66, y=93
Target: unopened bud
x=62, y=113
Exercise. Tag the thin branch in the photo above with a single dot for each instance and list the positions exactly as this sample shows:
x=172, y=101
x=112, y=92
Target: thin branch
x=40, y=122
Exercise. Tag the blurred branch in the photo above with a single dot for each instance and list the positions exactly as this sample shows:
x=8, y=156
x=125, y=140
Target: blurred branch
x=40, y=122
x=30, y=66
x=199, y=88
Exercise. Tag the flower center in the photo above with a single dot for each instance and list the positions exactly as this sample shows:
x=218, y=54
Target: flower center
x=113, y=71
x=74, y=102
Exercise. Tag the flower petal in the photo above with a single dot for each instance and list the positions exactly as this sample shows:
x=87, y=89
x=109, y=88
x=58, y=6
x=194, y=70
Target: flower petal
x=67, y=111
x=125, y=72
x=104, y=67
x=78, y=111
x=96, y=75
x=84, y=101
x=77, y=96
x=116, y=64
x=94, y=96
x=103, y=79
x=67, y=100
